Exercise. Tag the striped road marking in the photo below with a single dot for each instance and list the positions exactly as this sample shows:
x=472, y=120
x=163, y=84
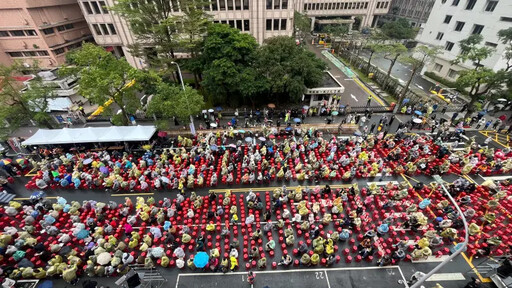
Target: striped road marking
x=446, y=277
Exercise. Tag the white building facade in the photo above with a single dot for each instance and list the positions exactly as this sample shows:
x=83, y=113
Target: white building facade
x=454, y=20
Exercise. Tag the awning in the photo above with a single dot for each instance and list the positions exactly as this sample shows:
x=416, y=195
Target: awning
x=91, y=135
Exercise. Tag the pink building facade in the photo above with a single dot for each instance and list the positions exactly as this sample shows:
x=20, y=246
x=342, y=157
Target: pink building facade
x=40, y=30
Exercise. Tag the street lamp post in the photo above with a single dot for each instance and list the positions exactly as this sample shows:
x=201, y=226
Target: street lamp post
x=439, y=180
x=192, y=127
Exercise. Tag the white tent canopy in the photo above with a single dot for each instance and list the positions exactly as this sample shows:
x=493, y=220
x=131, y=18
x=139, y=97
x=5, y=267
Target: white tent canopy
x=91, y=135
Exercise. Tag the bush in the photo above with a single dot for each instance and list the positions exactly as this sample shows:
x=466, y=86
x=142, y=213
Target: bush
x=441, y=80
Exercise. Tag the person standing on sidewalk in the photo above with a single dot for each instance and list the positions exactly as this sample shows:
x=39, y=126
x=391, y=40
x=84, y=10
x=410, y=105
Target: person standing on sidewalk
x=480, y=123
x=369, y=100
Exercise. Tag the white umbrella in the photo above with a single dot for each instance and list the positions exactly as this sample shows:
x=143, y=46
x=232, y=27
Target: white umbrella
x=104, y=258
x=417, y=120
x=204, y=111
x=213, y=125
x=210, y=110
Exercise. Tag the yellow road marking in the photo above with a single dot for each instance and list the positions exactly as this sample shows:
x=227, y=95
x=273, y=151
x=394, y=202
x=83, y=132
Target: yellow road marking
x=369, y=92
x=495, y=139
x=23, y=198
x=482, y=279
x=265, y=189
x=30, y=174
x=132, y=194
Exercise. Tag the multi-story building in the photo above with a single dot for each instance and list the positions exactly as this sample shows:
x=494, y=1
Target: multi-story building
x=110, y=30
x=360, y=13
x=416, y=11
x=40, y=30
x=455, y=20
x=261, y=18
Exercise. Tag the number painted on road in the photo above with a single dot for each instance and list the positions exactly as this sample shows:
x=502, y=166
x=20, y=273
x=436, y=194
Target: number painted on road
x=319, y=275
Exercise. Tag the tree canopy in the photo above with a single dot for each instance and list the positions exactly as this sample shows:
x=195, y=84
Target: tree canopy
x=172, y=101
x=18, y=106
x=289, y=68
x=399, y=29
x=480, y=81
x=227, y=58
x=103, y=77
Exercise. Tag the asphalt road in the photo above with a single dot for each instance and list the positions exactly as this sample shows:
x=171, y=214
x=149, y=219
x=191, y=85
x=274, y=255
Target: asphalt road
x=400, y=71
x=355, y=94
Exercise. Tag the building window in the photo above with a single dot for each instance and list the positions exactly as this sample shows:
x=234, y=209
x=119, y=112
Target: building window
x=15, y=54
x=96, y=29
x=232, y=23
x=477, y=29
x=29, y=54
x=103, y=7
x=31, y=32
x=448, y=46
x=490, y=44
x=43, y=53
x=276, y=24
x=17, y=33
x=96, y=8
x=104, y=29
x=455, y=2
x=112, y=29
x=246, y=4
x=277, y=4
x=365, y=5
x=247, y=26
x=452, y=73
x=471, y=4
x=283, y=24
x=506, y=19
x=269, y=4
x=438, y=67
x=239, y=24
x=439, y=36
x=48, y=31
x=491, y=5
x=284, y=4
x=447, y=19
x=58, y=51
x=238, y=5
x=87, y=6
x=214, y=5
x=459, y=26
x=4, y=34
x=230, y=4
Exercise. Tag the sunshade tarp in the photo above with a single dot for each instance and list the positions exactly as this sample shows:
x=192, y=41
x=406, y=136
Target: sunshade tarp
x=91, y=135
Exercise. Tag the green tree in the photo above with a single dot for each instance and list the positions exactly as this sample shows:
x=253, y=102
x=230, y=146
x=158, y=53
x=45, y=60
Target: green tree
x=17, y=106
x=289, y=68
x=373, y=48
x=301, y=24
x=103, y=77
x=505, y=36
x=417, y=59
x=172, y=101
x=336, y=32
x=399, y=29
x=227, y=57
x=480, y=80
x=391, y=53
x=153, y=24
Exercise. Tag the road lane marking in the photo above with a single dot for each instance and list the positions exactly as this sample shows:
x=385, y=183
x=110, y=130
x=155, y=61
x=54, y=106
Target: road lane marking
x=271, y=188
x=132, y=194
x=431, y=259
x=369, y=92
x=446, y=277
x=354, y=97
x=327, y=278
x=28, y=198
